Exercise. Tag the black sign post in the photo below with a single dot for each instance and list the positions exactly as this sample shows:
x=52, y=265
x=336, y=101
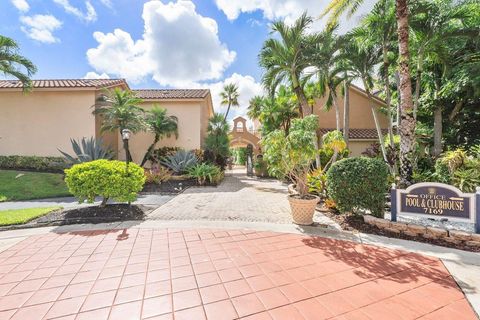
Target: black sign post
x=431, y=199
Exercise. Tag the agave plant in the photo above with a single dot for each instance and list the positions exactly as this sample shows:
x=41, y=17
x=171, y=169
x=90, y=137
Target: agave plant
x=88, y=149
x=180, y=162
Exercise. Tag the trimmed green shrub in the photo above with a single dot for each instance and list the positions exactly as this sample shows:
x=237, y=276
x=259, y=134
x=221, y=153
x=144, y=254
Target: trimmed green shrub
x=358, y=183
x=33, y=163
x=109, y=179
x=204, y=172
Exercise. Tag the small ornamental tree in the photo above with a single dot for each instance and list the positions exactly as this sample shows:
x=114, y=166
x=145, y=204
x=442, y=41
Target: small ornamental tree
x=109, y=179
x=290, y=156
x=358, y=183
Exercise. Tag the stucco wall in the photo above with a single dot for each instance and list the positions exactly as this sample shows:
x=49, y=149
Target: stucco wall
x=360, y=112
x=356, y=147
x=39, y=122
x=189, y=114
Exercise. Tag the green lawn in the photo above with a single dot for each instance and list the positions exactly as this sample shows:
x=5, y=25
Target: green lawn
x=20, y=216
x=22, y=185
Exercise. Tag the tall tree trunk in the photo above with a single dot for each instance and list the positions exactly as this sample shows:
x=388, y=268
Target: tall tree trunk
x=388, y=100
x=377, y=123
x=437, y=131
x=456, y=110
x=397, y=120
x=407, y=121
x=228, y=110
x=346, y=113
x=302, y=100
x=337, y=109
x=418, y=81
x=306, y=111
x=150, y=150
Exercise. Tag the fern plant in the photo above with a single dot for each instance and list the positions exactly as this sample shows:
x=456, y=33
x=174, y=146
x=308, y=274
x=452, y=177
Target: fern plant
x=180, y=162
x=87, y=149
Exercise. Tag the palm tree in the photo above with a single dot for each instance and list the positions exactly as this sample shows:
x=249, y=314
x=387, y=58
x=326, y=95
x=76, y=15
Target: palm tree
x=285, y=59
x=326, y=58
x=161, y=125
x=119, y=110
x=229, y=97
x=433, y=24
x=11, y=62
x=379, y=24
x=255, y=107
x=408, y=123
x=217, y=142
x=361, y=63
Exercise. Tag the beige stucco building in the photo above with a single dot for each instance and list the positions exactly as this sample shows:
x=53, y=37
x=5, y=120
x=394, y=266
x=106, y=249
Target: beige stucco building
x=362, y=126
x=42, y=121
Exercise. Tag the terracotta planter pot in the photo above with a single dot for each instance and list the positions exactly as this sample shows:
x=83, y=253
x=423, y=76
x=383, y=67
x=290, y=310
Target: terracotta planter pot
x=303, y=209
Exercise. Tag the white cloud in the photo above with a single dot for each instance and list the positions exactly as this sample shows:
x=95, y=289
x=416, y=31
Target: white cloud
x=21, y=5
x=179, y=47
x=288, y=10
x=94, y=75
x=247, y=89
x=40, y=27
x=107, y=3
x=88, y=16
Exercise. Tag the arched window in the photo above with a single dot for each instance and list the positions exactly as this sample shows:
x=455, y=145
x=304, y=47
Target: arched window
x=239, y=126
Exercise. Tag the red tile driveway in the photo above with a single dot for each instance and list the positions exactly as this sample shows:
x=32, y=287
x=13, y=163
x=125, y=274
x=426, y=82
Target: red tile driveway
x=219, y=274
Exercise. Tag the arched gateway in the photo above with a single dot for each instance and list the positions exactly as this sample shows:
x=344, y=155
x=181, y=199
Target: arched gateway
x=241, y=137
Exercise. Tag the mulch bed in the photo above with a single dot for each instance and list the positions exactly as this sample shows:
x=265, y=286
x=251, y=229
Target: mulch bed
x=355, y=223
x=91, y=214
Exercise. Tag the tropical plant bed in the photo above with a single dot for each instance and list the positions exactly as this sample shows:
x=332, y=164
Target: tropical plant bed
x=355, y=223
x=90, y=214
x=174, y=186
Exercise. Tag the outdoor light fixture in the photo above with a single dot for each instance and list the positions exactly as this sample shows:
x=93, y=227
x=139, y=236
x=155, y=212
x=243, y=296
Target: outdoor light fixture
x=126, y=134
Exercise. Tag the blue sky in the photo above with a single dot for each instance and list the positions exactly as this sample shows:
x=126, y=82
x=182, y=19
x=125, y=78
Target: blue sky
x=153, y=44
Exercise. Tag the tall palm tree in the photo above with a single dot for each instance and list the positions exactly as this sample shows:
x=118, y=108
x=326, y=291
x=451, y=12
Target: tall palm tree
x=407, y=123
x=229, y=97
x=161, y=125
x=255, y=107
x=378, y=30
x=285, y=59
x=15, y=65
x=361, y=63
x=326, y=58
x=119, y=110
x=433, y=24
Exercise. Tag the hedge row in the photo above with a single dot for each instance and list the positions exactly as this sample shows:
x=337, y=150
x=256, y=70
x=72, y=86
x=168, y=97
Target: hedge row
x=33, y=163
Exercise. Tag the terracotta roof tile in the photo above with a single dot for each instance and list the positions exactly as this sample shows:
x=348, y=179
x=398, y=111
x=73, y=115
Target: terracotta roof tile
x=171, y=93
x=64, y=83
x=361, y=134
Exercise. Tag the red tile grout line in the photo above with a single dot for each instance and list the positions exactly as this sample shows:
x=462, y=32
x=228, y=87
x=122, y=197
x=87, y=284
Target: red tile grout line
x=439, y=308
x=123, y=273
x=52, y=273
x=326, y=293
x=196, y=282
x=230, y=258
x=99, y=243
x=146, y=273
x=55, y=269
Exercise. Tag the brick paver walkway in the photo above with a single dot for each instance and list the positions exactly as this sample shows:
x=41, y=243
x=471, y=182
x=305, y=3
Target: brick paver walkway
x=217, y=274
x=238, y=198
